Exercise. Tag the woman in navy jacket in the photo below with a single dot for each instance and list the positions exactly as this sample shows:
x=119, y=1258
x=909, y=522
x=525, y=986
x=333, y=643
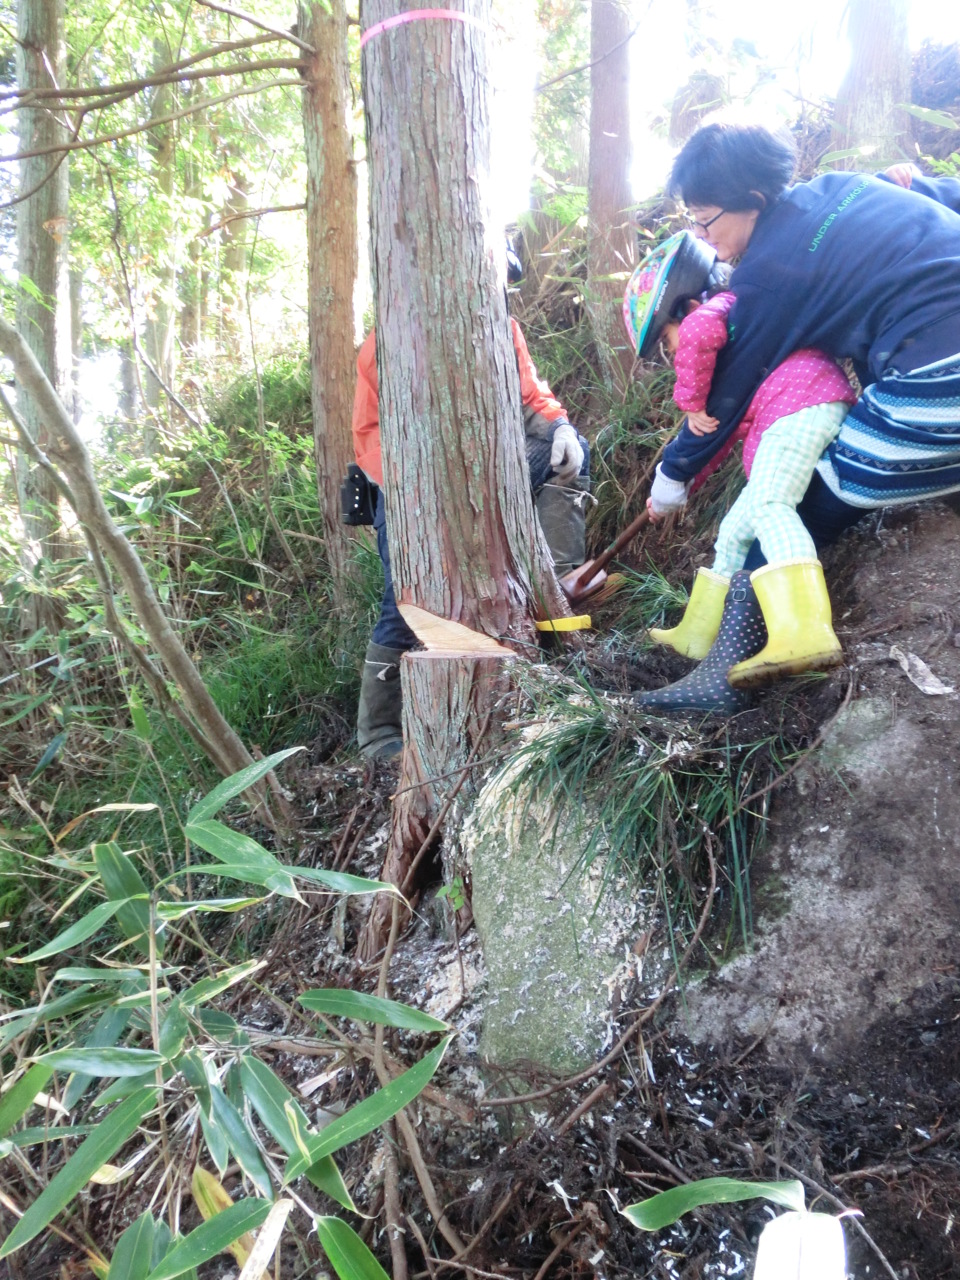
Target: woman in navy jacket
x=854, y=265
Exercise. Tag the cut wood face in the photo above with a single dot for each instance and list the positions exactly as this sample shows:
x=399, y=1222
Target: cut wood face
x=441, y=635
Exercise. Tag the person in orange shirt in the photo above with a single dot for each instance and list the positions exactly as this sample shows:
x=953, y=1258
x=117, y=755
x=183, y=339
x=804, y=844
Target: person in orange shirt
x=558, y=458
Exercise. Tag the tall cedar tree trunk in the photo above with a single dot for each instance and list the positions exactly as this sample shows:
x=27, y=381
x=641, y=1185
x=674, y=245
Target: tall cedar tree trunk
x=877, y=82
x=189, y=276
x=234, y=257
x=331, y=264
x=610, y=235
x=43, y=321
x=161, y=317
x=464, y=541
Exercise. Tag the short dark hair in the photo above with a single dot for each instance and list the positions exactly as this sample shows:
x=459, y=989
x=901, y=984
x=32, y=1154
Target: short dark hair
x=733, y=167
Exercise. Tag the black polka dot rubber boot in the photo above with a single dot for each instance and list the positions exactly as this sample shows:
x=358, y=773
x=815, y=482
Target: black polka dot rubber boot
x=742, y=634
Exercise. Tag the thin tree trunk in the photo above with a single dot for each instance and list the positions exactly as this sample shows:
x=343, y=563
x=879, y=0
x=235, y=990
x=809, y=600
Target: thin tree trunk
x=331, y=264
x=869, y=105
x=189, y=282
x=464, y=541
x=610, y=233
x=66, y=449
x=160, y=325
x=76, y=340
x=233, y=259
x=42, y=320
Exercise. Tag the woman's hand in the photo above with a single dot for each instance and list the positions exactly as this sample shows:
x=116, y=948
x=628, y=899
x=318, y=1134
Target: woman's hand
x=701, y=424
x=666, y=495
x=902, y=174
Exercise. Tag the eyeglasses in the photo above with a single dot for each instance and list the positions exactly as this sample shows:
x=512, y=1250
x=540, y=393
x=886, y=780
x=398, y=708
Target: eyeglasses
x=701, y=228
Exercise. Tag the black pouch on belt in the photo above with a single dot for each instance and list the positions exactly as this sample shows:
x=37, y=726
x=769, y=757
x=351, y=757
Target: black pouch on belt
x=358, y=497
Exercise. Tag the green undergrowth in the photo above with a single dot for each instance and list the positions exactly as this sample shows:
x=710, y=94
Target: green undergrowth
x=666, y=796
x=81, y=730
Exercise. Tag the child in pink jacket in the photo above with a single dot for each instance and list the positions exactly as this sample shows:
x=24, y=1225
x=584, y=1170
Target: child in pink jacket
x=805, y=379
x=796, y=412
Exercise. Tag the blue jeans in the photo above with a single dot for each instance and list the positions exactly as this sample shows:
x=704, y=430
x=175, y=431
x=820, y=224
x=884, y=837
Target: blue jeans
x=824, y=515
x=391, y=631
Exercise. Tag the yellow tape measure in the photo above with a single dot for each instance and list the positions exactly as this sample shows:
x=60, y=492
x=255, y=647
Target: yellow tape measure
x=580, y=623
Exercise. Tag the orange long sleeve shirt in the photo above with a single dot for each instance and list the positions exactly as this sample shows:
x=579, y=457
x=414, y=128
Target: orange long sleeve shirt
x=536, y=396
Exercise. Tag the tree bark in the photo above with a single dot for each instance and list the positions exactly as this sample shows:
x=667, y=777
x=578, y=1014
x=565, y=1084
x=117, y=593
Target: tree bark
x=465, y=544
x=233, y=259
x=43, y=319
x=159, y=330
x=868, y=110
x=331, y=264
x=67, y=450
x=610, y=235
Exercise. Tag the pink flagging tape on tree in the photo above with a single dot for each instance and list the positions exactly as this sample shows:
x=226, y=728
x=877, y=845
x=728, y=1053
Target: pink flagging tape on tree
x=414, y=15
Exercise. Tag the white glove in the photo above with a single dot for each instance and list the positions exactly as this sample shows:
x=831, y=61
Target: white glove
x=667, y=495
x=566, y=454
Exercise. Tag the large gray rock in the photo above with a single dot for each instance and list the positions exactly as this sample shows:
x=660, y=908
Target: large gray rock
x=557, y=937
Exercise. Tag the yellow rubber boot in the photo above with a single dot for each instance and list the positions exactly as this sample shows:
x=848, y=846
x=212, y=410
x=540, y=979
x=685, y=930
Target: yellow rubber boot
x=796, y=609
x=697, y=629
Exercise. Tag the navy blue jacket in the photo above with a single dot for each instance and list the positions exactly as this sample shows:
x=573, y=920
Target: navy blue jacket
x=848, y=263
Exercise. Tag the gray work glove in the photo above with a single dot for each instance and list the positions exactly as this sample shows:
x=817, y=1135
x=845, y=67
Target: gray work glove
x=667, y=495
x=566, y=453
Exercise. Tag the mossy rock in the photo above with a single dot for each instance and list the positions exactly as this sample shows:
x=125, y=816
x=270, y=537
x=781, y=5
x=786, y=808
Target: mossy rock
x=557, y=936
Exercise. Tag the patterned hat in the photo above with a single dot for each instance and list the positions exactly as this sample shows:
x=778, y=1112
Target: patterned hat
x=678, y=269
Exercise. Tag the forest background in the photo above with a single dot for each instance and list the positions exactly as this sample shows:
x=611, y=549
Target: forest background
x=184, y=243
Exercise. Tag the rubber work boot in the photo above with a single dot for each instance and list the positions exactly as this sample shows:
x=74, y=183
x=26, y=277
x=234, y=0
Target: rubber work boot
x=561, y=510
x=796, y=608
x=697, y=629
x=379, y=724
x=742, y=633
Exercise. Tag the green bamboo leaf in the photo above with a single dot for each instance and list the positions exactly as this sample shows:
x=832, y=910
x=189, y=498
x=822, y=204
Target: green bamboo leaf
x=30, y=1136
x=365, y=1116
x=177, y=910
x=938, y=118
x=247, y=859
x=54, y=747
x=18, y=1099
x=127, y=1086
x=341, y=882
x=216, y=1140
x=348, y=1255
x=110, y=1135
x=84, y=928
x=211, y=1238
x=241, y=1143
x=138, y=717
x=173, y=1030
x=326, y=1177
x=207, y=988
x=284, y=1118
x=123, y=881
x=365, y=1008
x=78, y=973
x=162, y=1242
x=103, y=1062
x=664, y=1209
x=235, y=785
x=72, y=1002
x=132, y=1256
x=108, y=1030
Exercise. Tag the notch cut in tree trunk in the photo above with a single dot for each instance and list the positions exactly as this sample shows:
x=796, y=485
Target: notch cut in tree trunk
x=438, y=773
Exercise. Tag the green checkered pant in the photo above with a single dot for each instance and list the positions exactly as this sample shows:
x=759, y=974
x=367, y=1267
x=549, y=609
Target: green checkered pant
x=781, y=472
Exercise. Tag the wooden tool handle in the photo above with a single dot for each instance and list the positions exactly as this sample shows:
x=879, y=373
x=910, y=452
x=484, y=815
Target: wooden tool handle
x=593, y=567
